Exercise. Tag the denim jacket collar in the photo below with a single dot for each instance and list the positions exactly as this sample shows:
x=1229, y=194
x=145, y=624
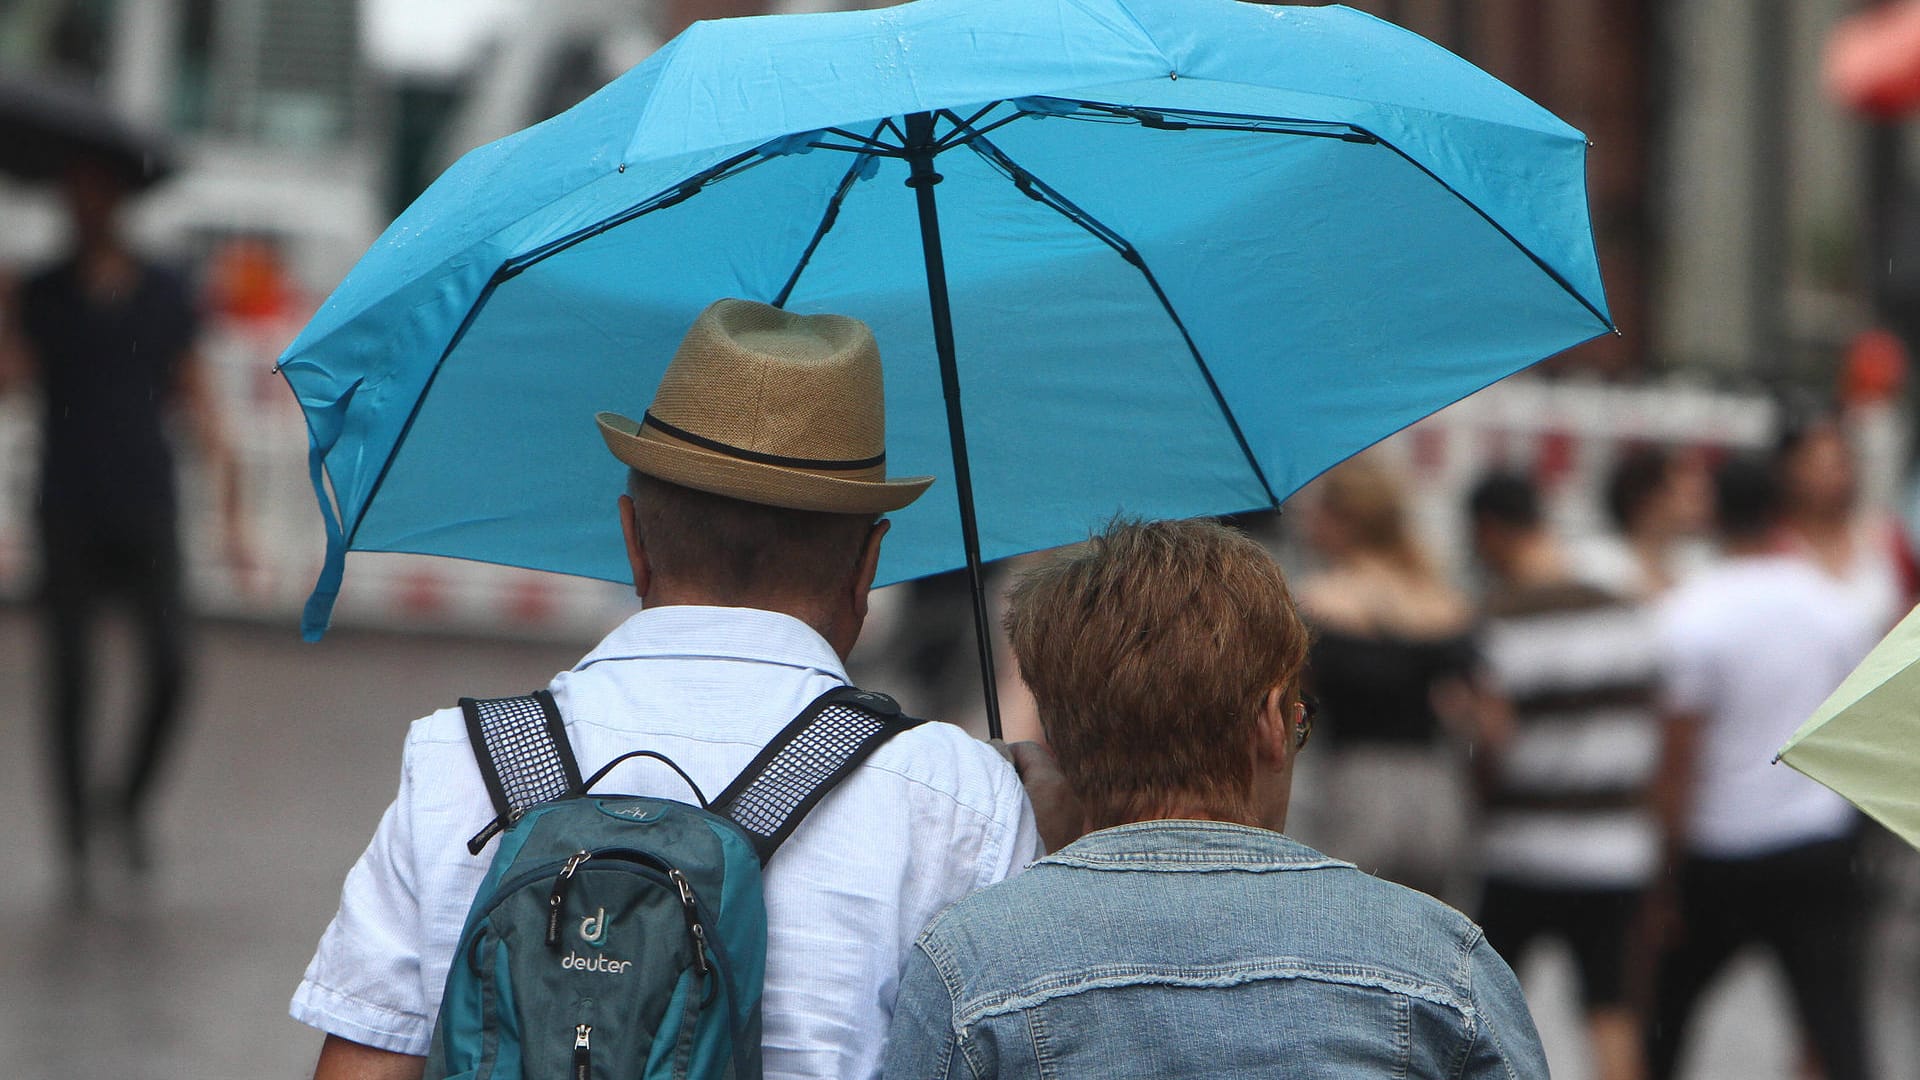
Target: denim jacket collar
x=1191, y=846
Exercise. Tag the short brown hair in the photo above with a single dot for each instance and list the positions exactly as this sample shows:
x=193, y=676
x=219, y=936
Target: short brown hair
x=1150, y=650
x=737, y=550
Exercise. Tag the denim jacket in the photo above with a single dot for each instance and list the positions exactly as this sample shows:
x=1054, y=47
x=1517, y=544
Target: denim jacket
x=1198, y=948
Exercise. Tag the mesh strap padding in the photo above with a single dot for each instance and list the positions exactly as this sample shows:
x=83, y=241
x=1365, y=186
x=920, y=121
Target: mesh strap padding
x=828, y=740
x=522, y=749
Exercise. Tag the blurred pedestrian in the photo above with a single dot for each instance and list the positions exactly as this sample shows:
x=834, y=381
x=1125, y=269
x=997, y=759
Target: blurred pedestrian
x=1867, y=555
x=1660, y=502
x=108, y=338
x=1187, y=936
x=1756, y=852
x=1568, y=840
x=1393, y=665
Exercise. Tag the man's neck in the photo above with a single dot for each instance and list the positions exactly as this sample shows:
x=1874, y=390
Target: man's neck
x=813, y=613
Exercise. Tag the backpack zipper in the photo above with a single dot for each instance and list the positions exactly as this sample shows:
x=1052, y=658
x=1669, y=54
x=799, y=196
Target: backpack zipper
x=582, y=1052
x=558, y=899
x=648, y=864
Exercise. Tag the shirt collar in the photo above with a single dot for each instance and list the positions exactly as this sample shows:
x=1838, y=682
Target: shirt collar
x=1189, y=845
x=688, y=632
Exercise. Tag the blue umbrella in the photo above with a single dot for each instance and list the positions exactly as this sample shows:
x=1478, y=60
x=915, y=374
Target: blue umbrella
x=1182, y=255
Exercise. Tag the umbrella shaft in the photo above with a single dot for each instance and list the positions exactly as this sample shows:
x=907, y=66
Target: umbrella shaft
x=922, y=178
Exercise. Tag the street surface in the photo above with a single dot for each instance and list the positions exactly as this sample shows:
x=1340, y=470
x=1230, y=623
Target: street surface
x=290, y=757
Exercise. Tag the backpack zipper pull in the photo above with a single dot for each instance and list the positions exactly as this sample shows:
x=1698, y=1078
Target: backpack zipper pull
x=582, y=1052
x=558, y=899
x=692, y=908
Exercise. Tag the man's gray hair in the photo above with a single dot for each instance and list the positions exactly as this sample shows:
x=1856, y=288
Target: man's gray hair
x=733, y=548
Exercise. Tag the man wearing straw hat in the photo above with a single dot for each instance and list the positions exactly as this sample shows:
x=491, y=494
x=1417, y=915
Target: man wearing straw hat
x=752, y=525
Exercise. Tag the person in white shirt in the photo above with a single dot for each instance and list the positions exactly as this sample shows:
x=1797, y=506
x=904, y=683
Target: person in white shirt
x=752, y=526
x=1757, y=852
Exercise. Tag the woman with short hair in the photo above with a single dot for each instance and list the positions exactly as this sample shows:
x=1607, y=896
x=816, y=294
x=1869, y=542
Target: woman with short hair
x=1185, y=935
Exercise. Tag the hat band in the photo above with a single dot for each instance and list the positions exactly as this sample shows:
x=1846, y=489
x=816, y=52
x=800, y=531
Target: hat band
x=718, y=447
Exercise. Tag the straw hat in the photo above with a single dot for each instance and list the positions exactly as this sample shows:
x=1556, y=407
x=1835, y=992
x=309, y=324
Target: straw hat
x=773, y=408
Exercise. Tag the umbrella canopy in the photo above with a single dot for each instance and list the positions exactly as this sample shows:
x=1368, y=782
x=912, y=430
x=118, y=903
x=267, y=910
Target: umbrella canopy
x=48, y=121
x=1194, y=253
x=1864, y=741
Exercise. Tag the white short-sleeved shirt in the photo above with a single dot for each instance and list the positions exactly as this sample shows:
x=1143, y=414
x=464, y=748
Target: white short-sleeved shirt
x=1753, y=647
x=933, y=815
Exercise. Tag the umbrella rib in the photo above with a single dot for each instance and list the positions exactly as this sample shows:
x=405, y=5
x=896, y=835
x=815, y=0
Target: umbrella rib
x=1184, y=120
x=1554, y=275
x=827, y=219
x=511, y=268
x=673, y=196
x=1039, y=191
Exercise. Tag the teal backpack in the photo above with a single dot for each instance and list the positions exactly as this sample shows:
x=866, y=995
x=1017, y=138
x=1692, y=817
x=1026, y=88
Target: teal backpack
x=619, y=937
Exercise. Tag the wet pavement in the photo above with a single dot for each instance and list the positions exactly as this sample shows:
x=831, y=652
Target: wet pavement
x=290, y=756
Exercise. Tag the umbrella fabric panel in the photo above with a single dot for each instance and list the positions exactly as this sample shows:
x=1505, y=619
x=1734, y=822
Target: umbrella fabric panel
x=1355, y=328
x=1867, y=754
x=744, y=81
x=1862, y=740
x=502, y=460
x=1081, y=399
x=1058, y=446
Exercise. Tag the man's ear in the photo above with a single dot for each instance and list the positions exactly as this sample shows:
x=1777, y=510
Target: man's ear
x=868, y=566
x=1273, y=730
x=636, y=551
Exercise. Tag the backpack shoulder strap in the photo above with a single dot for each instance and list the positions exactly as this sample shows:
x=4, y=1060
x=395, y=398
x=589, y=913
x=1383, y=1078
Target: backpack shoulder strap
x=828, y=740
x=521, y=747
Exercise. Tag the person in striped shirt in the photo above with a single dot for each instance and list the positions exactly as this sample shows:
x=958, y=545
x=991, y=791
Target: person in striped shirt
x=1569, y=839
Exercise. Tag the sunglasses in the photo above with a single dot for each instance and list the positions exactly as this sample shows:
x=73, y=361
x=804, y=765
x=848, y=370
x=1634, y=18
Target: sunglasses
x=1307, y=708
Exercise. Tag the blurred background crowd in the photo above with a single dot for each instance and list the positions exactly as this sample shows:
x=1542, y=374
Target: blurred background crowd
x=1756, y=191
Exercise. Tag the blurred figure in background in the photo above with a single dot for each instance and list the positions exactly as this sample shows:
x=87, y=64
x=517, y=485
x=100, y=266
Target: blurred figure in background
x=1757, y=852
x=108, y=338
x=1660, y=501
x=1867, y=556
x=1568, y=841
x=1393, y=664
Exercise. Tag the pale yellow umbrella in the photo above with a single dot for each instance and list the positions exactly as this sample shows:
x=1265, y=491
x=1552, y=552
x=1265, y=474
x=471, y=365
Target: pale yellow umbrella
x=1864, y=740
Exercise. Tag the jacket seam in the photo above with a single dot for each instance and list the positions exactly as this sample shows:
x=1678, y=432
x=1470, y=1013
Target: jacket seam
x=1475, y=1020
x=1115, y=976
x=1042, y=1046
x=1403, y=1031
x=1190, y=862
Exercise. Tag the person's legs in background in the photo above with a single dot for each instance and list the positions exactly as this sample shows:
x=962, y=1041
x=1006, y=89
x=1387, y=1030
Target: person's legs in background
x=1813, y=921
x=1715, y=920
x=1598, y=926
x=69, y=606
x=153, y=589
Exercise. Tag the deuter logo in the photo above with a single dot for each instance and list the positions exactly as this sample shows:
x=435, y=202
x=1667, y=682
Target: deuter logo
x=598, y=962
x=593, y=928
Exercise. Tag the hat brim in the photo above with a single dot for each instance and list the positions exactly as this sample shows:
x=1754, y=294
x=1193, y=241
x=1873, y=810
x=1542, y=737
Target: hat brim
x=752, y=481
